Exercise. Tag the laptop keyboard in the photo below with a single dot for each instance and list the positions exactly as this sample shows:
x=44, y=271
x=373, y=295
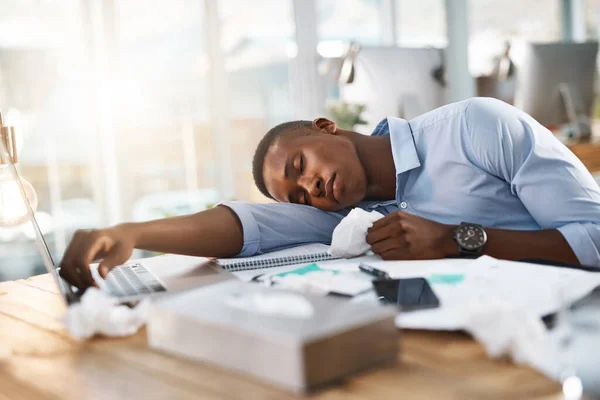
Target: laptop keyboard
x=132, y=280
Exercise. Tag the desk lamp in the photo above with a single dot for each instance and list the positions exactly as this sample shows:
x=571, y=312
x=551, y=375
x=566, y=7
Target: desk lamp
x=13, y=211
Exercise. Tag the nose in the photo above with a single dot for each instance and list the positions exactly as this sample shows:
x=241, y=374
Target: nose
x=314, y=186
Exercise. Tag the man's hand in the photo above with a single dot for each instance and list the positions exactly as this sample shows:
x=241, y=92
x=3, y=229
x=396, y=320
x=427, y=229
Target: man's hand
x=216, y=232
x=403, y=236
x=113, y=245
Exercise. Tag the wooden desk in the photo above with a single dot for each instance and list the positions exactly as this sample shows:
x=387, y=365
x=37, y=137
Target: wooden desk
x=46, y=363
x=588, y=153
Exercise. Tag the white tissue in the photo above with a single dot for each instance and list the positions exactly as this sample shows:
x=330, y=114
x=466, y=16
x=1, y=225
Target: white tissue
x=501, y=303
x=349, y=237
x=99, y=313
x=506, y=331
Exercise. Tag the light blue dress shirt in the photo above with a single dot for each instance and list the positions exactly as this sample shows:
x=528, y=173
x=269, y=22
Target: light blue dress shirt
x=479, y=160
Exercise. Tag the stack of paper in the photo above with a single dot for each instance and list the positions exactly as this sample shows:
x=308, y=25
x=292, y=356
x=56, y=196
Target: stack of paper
x=462, y=285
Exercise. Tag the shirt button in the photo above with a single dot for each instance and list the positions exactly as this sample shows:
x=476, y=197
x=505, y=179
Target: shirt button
x=403, y=204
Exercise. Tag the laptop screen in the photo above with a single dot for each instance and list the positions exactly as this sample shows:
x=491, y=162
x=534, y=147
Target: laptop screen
x=65, y=289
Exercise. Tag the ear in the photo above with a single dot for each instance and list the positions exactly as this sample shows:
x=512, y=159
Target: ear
x=326, y=125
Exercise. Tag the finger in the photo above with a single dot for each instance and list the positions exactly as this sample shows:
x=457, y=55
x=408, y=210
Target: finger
x=383, y=233
x=388, y=245
x=67, y=264
x=88, y=278
x=380, y=223
x=92, y=246
x=117, y=255
x=76, y=275
x=84, y=277
x=70, y=276
x=392, y=217
x=396, y=254
x=71, y=251
x=75, y=263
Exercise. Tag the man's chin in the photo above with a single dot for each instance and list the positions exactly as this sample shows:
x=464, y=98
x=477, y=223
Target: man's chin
x=353, y=202
x=339, y=205
x=333, y=207
x=344, y=204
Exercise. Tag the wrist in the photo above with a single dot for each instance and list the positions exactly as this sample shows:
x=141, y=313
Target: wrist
x=129, y=230
x=449, y=245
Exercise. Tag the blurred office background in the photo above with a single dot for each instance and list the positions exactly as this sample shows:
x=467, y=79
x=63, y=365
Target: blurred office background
x=130, y=110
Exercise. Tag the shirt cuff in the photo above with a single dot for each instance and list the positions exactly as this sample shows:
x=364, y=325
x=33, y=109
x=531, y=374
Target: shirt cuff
x=249, y=227
x=581, y=243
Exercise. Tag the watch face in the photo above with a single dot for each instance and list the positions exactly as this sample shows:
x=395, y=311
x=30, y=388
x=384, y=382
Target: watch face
x=470, y=237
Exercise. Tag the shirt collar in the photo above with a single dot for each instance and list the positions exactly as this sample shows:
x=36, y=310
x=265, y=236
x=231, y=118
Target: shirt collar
x=404, y=151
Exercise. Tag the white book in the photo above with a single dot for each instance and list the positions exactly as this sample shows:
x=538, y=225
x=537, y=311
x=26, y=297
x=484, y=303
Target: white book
x=308, y=253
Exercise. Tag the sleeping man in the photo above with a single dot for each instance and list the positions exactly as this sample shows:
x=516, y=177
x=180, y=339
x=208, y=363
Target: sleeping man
x=470, y=178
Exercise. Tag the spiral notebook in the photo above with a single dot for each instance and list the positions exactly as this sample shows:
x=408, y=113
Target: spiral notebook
x=308, y=253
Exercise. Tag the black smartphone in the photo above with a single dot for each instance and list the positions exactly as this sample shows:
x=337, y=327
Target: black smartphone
x=409, y=294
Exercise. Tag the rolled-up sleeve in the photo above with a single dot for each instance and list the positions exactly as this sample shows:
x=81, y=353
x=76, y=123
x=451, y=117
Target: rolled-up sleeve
x=552, y=183
x=273, y=226
x=583, y=239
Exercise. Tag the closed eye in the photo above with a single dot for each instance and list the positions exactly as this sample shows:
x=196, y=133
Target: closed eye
x=301, y=164
x=306, y=198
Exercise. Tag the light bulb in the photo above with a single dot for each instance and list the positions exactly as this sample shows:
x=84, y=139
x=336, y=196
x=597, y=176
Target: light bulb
x=13, y=211
x=572, y=388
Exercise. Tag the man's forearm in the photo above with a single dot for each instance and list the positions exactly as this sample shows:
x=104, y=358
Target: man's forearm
x=547, y=244
x=212, y=233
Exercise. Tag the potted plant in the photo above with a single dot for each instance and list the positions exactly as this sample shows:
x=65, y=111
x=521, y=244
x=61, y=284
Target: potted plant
x=346, y=115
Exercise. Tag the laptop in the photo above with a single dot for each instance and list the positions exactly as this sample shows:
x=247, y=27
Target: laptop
x=135, y=279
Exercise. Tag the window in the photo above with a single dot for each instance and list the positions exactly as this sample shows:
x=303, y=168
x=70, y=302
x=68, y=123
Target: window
x=421, y=23
x=114, y=103
x=42, y=95
x=340, y=22
x=256, y=46
x=163, y=135
x=355, y=20
x=592, y=19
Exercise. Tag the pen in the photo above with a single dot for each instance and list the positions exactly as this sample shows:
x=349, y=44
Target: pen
x=377, y=273
x=262, y=279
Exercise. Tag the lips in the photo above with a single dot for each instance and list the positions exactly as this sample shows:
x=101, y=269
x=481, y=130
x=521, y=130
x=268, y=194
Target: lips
x=329, y=188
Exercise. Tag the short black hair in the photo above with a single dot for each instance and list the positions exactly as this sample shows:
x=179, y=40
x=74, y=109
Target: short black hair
x=270, y=138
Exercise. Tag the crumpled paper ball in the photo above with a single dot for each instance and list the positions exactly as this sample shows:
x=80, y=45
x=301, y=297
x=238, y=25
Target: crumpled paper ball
x=99, y=313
